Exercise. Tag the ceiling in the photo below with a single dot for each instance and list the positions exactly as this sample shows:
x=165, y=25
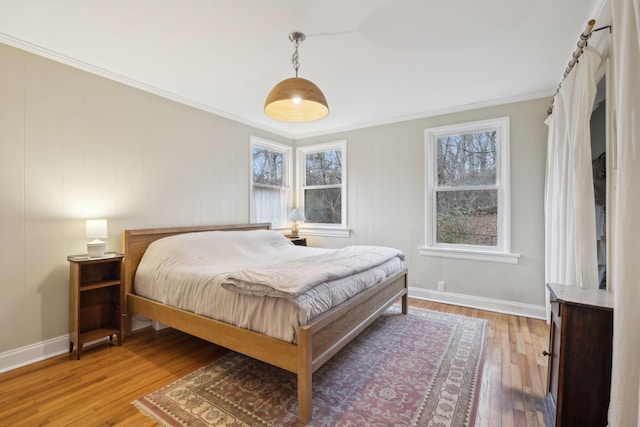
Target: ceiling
x=377, y=61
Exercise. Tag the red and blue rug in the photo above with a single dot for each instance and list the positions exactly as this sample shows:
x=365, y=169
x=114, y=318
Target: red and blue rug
x=422, y=369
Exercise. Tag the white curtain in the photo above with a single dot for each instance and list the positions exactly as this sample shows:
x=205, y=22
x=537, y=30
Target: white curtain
x=624, y=407
x=570, y=229
x=269, y=204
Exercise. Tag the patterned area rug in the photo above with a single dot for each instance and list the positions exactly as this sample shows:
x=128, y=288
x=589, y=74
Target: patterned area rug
x=422, y=369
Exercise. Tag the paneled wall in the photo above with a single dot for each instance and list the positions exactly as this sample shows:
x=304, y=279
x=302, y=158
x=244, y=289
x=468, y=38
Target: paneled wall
x=76, y=146
x=386, y=187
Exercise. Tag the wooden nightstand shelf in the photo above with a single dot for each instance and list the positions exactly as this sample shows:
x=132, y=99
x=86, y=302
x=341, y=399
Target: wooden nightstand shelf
x=298, y=241
x=96, y=299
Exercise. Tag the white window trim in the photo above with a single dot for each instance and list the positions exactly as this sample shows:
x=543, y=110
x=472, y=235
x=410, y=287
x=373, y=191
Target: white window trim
x=288, y=173
x=327, y=230
x=500, y=253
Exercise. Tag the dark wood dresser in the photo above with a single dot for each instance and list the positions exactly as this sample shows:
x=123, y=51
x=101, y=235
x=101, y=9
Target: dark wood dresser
x=580, y=347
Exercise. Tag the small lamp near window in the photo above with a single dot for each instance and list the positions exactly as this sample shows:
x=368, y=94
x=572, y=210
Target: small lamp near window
x=96, y=229
x=295, y=216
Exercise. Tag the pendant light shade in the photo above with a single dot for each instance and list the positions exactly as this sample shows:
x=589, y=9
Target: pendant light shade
x=296, y=99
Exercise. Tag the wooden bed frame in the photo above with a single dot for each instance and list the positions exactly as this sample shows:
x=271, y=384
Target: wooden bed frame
x=318, y=340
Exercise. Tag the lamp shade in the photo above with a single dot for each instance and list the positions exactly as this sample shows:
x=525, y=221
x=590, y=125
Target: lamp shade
x=96, y=229
x=296, y=215
x=296, y=100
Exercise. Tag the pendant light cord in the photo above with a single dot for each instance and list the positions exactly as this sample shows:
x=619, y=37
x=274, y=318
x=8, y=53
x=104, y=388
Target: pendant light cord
x=294, y=57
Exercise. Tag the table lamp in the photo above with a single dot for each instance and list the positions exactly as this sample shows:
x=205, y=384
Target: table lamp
x=96, y=229
x=295, y=216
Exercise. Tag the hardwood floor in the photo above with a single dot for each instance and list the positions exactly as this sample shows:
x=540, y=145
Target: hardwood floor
x=98, y=389
x=515, y=371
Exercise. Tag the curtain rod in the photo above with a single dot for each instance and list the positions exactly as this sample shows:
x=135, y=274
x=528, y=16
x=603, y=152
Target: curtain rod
x=586, y=34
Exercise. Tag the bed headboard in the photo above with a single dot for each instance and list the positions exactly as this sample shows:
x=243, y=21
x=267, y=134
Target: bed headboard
x=135, y=243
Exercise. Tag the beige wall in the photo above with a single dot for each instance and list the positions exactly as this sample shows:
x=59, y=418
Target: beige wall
x=76, y=146
x=386, y=186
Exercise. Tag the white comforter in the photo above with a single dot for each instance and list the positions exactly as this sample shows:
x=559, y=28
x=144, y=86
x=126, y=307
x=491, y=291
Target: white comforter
x=188, y=271
x=291, y=278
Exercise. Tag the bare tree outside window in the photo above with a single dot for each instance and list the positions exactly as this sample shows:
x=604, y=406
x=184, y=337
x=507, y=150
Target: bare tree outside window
x=467, y=200
x=466, y=191
x=270, y=176
x=323, y=187
x=267, y=167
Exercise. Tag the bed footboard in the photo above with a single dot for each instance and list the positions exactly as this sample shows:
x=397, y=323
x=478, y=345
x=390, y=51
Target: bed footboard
x=322, y=338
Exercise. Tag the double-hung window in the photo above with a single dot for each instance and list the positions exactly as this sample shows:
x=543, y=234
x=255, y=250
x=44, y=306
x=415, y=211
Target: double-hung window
x=322, y=188
x=270, y=195
x=467, y=200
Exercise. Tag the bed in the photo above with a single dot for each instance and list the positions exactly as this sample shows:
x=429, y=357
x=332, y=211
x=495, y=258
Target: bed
x=315, y=342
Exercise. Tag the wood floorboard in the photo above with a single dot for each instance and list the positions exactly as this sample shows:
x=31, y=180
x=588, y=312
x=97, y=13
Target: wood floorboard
x=98, y=389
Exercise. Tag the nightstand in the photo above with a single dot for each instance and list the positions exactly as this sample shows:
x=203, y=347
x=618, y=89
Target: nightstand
x=298, y=241
x=96, y=299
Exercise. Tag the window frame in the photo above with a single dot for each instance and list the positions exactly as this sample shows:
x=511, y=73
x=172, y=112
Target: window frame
x=287, y=175
x=502, y=251
x=321, y=229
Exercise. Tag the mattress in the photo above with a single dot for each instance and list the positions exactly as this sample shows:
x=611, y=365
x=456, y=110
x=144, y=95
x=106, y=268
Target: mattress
x=188, y=271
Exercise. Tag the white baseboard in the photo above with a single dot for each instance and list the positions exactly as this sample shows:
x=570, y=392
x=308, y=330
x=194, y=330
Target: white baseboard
x=157, y=326
x=27, y=355
x=139, y=322
x=489, y=304
x=33, y=353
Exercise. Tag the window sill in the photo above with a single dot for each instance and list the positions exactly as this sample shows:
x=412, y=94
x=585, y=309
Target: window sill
x=474, y=255
x=325, y=231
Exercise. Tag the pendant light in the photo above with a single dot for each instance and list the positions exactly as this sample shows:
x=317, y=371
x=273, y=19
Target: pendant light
x=296, y=99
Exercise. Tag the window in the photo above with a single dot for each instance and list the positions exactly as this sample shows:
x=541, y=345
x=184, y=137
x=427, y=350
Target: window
x=322, y=190
x=467, y=200
x=270, y=182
